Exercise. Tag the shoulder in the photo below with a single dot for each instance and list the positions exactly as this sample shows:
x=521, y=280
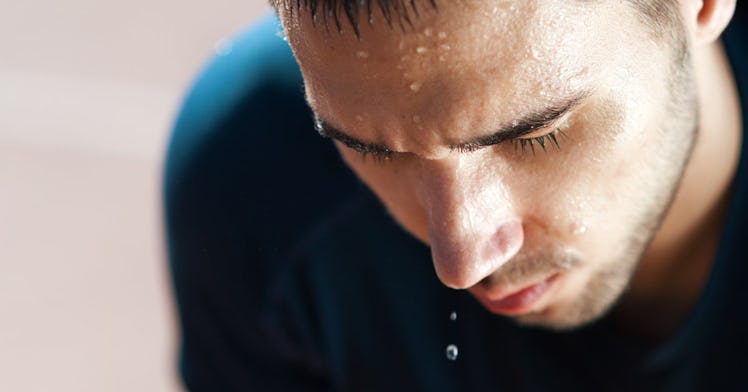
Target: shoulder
x=243, y=147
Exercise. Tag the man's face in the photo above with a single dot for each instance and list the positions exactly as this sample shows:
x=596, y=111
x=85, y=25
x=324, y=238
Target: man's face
x=548, y=225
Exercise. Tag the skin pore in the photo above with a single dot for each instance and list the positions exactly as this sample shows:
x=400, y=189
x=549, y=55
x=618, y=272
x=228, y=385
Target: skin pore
x=626, y=189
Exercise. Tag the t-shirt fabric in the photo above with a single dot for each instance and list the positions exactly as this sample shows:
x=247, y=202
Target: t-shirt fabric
x=290, y=275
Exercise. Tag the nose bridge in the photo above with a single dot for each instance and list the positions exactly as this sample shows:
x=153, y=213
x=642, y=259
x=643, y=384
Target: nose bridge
x=472, y=230
x=461, y=197
x=449, y=193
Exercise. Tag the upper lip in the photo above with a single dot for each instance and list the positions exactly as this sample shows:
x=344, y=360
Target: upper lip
x=498, y=293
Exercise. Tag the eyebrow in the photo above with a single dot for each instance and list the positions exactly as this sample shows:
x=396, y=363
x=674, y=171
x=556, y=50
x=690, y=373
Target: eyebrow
x=528, y=124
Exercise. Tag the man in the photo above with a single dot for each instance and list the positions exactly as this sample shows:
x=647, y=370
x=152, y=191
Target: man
x=570, y=170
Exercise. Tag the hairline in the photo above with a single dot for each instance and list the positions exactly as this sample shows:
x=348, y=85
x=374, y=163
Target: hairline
x=659, y=16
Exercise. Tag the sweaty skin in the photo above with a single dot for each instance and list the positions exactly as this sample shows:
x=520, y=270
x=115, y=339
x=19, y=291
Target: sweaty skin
x=632, y=196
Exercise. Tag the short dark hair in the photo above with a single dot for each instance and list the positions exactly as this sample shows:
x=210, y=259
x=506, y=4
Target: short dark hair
x=396, y=12
x=659, y=16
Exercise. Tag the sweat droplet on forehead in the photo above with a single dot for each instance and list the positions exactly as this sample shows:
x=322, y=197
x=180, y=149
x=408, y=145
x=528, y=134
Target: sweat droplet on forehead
x=442, y=70
x=578, y=228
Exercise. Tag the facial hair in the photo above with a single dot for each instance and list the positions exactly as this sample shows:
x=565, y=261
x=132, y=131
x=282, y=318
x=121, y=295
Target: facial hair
x=608, y=282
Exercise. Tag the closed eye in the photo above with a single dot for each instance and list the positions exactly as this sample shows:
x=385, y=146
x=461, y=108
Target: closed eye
x=543, y=142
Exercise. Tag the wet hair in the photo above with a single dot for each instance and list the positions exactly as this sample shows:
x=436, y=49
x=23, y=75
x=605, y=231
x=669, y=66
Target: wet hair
x=660, y=16
x=398, y=13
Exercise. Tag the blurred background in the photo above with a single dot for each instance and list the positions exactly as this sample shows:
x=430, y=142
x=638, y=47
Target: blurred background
x=88, y=91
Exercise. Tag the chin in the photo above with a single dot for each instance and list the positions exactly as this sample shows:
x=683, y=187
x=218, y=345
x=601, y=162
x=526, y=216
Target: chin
x=575, y=310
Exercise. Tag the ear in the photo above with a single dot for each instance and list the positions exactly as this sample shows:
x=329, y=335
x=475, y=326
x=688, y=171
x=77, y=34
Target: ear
x=707, y=19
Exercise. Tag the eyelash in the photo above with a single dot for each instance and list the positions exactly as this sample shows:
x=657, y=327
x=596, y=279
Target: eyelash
x=543, y=141
x=522, y=145
x=380, y=157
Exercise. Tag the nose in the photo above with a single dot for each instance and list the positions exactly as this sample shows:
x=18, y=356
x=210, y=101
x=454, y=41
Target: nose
x=472, y=230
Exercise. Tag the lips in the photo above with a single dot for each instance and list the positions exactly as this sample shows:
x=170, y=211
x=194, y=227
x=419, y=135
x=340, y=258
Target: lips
x=521, y=301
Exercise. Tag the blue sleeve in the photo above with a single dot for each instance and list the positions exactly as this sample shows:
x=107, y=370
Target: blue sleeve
x=242, y=165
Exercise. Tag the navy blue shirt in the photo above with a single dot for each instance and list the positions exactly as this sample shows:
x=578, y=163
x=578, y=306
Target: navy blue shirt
x=289, y=274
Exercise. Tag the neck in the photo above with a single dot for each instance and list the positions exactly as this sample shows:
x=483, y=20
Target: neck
x=676, y=266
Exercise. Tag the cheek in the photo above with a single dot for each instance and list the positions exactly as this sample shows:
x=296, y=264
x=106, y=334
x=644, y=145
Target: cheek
x=587, y=193
x=392, y=183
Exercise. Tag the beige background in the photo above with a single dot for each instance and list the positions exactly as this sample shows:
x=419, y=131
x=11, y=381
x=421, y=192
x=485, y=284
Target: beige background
x=88, y=89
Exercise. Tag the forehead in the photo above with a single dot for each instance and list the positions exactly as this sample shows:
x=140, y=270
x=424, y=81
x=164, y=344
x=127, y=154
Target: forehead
x=498, y=57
